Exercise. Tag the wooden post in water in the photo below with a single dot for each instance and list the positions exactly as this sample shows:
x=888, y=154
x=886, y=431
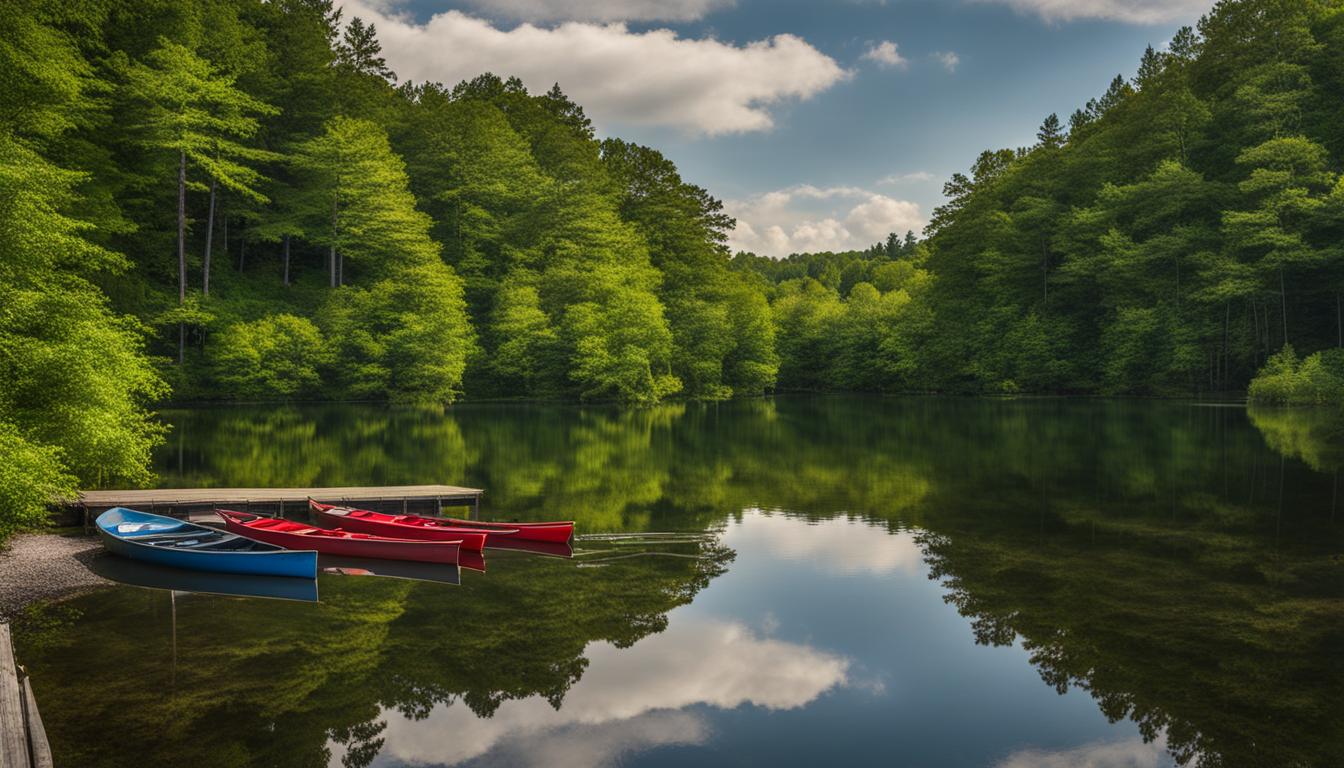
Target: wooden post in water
x=13, y=730
x=37, y=733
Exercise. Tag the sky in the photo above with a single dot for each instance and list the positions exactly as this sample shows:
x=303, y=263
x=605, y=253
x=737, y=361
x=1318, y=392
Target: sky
x=821, y=124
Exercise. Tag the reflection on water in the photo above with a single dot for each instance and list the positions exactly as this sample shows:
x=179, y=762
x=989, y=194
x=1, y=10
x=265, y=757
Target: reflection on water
x=629, y=699
x=930, y=582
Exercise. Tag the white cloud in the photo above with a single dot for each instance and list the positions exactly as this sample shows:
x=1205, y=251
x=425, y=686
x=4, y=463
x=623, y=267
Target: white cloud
x=949, y=59
x=885, y=54
x=599, y=10
x=839, y=545
x=919, y=177
x=628, y=699
x=1129, y=11
x=808, y=218
x=648, y=78
x=1131, y=753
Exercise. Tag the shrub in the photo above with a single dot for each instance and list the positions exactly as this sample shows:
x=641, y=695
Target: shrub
x=274, y=357
x=1284, y=380
x=31, y=476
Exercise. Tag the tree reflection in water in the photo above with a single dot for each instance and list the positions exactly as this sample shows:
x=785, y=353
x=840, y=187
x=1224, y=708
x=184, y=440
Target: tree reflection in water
x=1181, y=563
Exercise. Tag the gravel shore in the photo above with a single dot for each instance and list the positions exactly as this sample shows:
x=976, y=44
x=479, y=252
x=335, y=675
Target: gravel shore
x=44, y=566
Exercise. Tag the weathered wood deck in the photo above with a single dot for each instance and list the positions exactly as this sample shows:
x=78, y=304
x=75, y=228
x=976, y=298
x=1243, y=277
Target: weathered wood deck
x=170, y=500
x=23, y=740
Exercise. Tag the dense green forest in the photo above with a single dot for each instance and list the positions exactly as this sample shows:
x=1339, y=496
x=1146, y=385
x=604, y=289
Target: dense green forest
x=237, y=199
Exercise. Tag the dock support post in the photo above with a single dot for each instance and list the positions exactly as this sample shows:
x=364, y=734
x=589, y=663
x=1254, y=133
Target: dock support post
x=13, y=729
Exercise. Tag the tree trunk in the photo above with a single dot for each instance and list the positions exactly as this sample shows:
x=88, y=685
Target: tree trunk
x=286, y=259
x=209, y=236
x=1227, y=319
x=181, y=251
x=242, y=250
x=1283, y=299
x=1045, y=273
x=1339, y=324
x=332, y=257
x=340, y=269
x=1255, y=336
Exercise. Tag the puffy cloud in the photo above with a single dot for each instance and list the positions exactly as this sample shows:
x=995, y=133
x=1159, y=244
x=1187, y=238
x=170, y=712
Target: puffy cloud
x=808, y=218
x=949, y=59
x=647, y=78
x=907, y=178
x=1129, y=11
x=1131, y=753
x=885, y=54
x=628, y=699
x=839, y=545
x=599, y=10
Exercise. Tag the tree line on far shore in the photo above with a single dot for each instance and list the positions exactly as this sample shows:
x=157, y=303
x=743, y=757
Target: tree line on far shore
x=239, y=200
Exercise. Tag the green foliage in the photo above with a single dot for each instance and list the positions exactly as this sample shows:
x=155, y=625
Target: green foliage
x=74, y=380
x=188, y=107
x=275, y=357
x=1286, y=380
x=31, y=475
x=406, y=337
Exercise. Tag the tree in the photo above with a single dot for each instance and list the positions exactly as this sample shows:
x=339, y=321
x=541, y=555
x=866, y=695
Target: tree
x=353, y=199
x=192, y=112
x=359, y=49
x=74, y=379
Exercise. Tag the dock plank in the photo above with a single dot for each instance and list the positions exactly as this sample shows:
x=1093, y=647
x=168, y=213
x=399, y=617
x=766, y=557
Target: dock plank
x=13, y=731
x=40, y=748
x=204, y=496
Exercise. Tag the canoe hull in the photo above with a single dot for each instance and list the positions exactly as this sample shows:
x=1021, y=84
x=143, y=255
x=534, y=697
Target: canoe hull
x=420, y=551
x=552, y=533
x=272, y=561
x=473, y=541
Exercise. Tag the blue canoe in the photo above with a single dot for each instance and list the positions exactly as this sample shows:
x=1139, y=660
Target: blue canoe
x=166, y=541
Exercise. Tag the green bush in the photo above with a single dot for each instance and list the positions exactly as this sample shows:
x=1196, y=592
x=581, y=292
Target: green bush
x=1284, y=380
x=31, y=475
x=274, y=357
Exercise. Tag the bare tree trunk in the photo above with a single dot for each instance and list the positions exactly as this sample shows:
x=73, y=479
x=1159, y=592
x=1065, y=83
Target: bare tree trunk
x=286, y=259
x=340, y=269
x=209, y=236
x=332, y=256
x=1227, y=319
x=1283, y=298
x=181, y=251
x=1045, y=273
x=242, y=250
x=1255, y=336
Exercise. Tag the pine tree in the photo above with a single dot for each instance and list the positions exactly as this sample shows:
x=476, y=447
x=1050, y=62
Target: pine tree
x=195, y=114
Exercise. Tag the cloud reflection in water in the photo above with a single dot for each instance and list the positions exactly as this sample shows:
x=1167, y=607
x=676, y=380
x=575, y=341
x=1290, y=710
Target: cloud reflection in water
x=628, y=699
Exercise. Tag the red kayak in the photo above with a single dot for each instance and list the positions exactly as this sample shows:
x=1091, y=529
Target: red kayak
x=402, y=526
x=555, y=533
x=292, y=535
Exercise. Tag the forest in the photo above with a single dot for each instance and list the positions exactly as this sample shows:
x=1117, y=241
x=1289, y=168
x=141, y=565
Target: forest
x=239, y=200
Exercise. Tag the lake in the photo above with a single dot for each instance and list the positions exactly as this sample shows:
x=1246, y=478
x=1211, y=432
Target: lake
x=789, y=581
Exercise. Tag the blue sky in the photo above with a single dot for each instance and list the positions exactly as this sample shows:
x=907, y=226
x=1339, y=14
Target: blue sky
x=822, y=125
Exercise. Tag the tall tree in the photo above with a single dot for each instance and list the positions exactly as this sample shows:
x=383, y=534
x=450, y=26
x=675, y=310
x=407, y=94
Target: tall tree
x=197, y=115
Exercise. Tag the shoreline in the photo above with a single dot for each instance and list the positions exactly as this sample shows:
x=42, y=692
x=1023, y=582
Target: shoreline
x=40, y=567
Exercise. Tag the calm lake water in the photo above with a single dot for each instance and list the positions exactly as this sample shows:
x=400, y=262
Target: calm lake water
x=798, y=581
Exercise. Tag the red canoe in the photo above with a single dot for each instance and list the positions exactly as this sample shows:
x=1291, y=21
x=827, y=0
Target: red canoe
x=402, y=526
x=292, y=535
x=555, y=533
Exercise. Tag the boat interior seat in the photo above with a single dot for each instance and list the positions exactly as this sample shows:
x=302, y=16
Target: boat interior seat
x=147, y=528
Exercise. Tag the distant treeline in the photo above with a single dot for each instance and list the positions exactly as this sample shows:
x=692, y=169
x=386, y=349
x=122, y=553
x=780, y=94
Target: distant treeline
x=236, y=199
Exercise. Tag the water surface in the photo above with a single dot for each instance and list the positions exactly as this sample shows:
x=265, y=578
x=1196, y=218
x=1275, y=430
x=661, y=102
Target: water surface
x=796, y=581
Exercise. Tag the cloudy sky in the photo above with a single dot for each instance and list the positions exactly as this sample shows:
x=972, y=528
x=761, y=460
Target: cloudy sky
x=822, y=124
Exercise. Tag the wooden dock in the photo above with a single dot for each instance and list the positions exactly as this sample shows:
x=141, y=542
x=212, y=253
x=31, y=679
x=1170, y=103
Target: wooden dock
x=23, y=739
x=167, y=501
